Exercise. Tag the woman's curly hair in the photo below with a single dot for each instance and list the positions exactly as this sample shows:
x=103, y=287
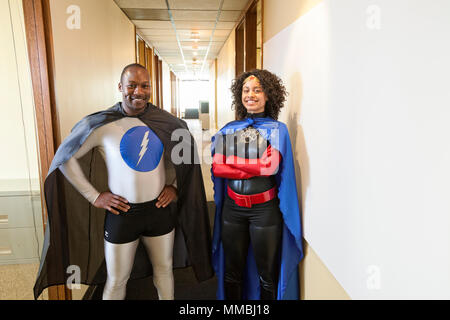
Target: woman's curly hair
x=271, y=85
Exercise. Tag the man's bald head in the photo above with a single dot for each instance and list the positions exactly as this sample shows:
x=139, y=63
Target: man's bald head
x=130, y=66
x=135, y=88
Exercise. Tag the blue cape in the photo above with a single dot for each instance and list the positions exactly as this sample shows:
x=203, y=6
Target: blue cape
x=291, y=247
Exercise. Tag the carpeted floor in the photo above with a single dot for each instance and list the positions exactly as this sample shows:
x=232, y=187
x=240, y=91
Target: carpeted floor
x=16, y=281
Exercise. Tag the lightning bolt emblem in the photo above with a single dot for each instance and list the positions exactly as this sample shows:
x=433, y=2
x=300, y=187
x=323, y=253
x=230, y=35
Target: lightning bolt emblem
x=144, y=148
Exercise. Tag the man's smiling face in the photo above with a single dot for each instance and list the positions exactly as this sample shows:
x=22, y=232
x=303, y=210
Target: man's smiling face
x=136, y=90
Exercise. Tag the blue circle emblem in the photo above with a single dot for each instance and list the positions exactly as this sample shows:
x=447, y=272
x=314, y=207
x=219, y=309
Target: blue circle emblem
x=141, y=149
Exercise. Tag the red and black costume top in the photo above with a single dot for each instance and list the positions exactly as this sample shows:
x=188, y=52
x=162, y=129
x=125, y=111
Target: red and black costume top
x=246, y=160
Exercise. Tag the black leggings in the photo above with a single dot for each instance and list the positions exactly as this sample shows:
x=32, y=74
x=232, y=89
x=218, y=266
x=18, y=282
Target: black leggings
x=260, y=225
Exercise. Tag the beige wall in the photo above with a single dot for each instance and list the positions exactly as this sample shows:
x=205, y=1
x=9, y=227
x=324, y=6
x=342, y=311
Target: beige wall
x=212, y=96
x=317, y=282
x=167, y=98
x=89, y=60
x=225, y=74
x=17, y=128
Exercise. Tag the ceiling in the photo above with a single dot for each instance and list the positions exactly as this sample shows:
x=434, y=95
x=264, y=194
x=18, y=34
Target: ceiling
x=187, y=34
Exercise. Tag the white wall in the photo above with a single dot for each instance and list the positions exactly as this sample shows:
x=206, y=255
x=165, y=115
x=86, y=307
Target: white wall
x=368, y=116
x=19, y=160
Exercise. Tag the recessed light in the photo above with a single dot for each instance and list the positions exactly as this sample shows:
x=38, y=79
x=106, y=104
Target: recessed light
x=195, y=36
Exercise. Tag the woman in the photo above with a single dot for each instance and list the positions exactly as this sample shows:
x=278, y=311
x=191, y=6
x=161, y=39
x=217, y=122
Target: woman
x=257, y=232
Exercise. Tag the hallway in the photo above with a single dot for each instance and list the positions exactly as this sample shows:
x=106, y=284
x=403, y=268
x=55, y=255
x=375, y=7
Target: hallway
x=366, y=112
x=203, y=139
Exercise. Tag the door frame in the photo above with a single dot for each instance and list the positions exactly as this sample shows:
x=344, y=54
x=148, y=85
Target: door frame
x=39, y=37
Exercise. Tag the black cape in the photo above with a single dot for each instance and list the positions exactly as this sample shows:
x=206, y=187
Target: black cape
x=74, y=231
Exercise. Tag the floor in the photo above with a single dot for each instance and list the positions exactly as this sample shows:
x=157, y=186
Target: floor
x=16, y=281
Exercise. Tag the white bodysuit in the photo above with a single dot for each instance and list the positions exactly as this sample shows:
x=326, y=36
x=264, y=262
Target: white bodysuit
x=126, y=140
x=138, y=172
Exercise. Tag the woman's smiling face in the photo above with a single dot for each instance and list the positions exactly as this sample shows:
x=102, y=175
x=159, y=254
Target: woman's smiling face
x=253, y=97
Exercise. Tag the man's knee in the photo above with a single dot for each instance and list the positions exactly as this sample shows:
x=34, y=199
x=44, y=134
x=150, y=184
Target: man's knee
x=116, y=282
x=163, y=267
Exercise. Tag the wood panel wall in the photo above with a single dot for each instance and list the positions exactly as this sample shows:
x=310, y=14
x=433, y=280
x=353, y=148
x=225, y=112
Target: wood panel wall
x=173, y=94
x=149, y=65
x=141, y=51
x=246, y=40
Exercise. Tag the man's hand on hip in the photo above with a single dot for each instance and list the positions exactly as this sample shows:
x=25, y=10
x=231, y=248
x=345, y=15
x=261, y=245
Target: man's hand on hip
x=168, y=194
x=110, y=202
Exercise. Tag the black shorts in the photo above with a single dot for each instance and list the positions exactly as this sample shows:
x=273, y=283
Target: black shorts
x=142, y=219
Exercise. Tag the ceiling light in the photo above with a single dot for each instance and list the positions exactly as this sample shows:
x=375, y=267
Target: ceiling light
x=195, y=36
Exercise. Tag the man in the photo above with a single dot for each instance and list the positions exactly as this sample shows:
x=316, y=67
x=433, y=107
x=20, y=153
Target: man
x=134, y=139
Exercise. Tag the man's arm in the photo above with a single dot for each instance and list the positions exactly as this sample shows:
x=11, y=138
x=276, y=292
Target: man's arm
x=169, y=192
x=171, y=176
x=73, y=172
